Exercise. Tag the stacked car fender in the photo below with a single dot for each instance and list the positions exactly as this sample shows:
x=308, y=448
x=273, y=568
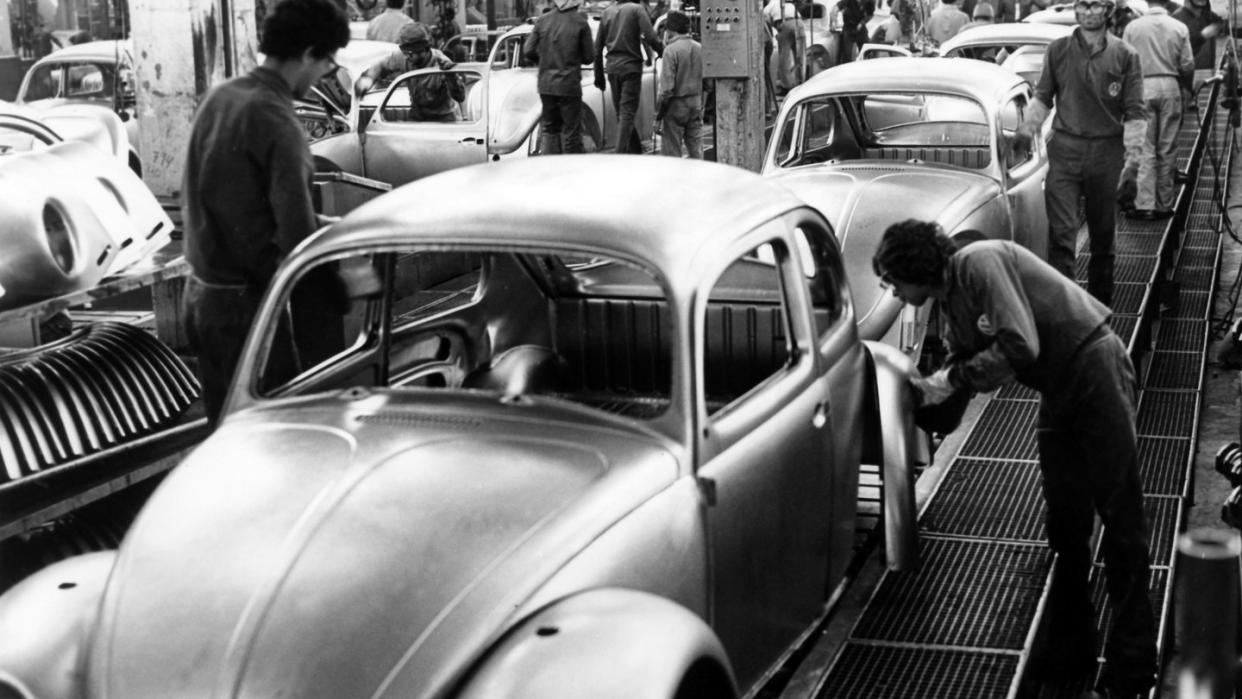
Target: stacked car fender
x=72, y=214
x=102, y=385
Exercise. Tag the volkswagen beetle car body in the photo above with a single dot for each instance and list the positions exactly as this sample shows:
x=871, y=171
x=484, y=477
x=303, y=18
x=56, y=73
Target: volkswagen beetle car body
x=1018, y=46
x=71, y=211
x=498, y=120
x=874, y=142
x=565, y=446
x=1063, y=13
x=96, y=72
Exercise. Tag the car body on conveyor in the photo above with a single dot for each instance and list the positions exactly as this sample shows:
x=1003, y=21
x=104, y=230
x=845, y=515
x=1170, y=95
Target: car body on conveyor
x=1018, y=46
x=564, y=445
x=498, y=120
x=874, y=142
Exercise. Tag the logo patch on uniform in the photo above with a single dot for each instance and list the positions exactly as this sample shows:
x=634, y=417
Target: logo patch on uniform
x=985, y=325
x=1114, y=89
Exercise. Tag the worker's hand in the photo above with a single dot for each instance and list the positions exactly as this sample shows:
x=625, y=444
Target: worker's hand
x=934, y=389
x=361, y=85
x=1021, y=141
x=1211, y=31
x=600, y=81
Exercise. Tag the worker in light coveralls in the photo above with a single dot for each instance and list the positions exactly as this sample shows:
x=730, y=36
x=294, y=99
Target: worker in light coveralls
x=1008, y=315
x=1095, y=81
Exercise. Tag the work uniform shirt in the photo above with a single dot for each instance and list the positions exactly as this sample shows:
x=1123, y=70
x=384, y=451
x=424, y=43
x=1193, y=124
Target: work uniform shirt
x=387, y=27
x=1095, y=89
x=623, y=29
x=246, y=192
x=681, y=74
x=561, y=42
x=1011, y=315
x=1163, y=46
x=1196, y=20
x=945, y=22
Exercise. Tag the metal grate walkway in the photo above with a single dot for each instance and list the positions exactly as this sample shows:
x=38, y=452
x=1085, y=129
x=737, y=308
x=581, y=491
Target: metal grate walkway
x=964, y=624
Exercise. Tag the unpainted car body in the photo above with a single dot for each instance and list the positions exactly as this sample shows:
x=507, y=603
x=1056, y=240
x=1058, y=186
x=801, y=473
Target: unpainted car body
x=874, y=142
x=96, y=72
x=565, y=446
x=1063, y=13
x=1018, y=46
x=71, y=211
x=498, y=120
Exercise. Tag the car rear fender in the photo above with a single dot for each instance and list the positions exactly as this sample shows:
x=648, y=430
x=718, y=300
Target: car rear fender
x=604, y=643
x=47, y=619
x=895, y=445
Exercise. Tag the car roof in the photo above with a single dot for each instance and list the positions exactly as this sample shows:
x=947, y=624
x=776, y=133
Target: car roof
x=90, y=51
x=662, y=211
x=982, y=80
x=1007, y=32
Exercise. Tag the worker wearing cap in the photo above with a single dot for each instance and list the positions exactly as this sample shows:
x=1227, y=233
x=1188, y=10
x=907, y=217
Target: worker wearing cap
x=432, y=97
x=1095, y=81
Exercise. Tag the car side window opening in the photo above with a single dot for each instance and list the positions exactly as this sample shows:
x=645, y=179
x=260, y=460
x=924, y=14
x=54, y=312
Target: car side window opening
x=434, y=98
x=1011, y=115
x=825, y=278
x=747, y=340
x=815, y=132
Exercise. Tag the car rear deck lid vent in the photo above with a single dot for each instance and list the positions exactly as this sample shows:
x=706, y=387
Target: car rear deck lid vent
x=449, y=421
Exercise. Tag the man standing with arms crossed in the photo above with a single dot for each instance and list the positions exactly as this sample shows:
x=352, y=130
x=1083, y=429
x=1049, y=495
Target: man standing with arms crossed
x=1095, y=81
x=623, y=29
x=561, y=43
x=246, y=193
x=1163, y=46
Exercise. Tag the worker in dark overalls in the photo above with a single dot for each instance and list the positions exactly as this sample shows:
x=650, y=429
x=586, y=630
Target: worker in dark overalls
x=1010, y=316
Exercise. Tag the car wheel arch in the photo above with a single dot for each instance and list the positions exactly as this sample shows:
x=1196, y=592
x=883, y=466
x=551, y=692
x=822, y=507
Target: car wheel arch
x=670, y=651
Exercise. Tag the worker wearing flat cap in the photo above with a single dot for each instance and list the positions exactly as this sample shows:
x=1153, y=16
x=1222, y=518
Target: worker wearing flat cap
x=433, y=97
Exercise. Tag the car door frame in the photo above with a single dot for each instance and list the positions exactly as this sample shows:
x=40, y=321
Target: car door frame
x=768, y=559
x=388, y=147
x=1024, y=184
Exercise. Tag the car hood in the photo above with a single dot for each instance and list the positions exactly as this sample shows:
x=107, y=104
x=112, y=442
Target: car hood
x=359, y=545
x=862, y=200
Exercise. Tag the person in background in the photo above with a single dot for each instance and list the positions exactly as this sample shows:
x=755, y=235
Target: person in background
x=623, y=30
x=1010, y=316
x=387, y=26
x=444, y=30
x=432, y=97
x=679, y=107
x=246, y=192
x=982, y=15
x=1204, y=25
x=946, y=21
x=790, y=45
x=561, y=44
x=1163, y=46
x=1028, y=7
x=1121, y=17
x=1005, y=11
x=1095, y=81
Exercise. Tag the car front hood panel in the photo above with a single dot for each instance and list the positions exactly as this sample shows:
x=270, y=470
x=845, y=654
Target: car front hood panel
x=861, y=201
x=289, y=560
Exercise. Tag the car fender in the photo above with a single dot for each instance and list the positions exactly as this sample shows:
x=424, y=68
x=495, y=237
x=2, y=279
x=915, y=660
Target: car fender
x=46, y=621
x=898, y=449
x=603, y=643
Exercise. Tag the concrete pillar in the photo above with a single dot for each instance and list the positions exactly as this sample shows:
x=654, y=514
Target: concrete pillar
x=182, y=48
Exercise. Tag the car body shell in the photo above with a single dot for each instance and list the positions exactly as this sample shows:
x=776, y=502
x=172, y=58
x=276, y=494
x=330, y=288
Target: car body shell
x=1024, y=42
x=1063, y=13
x=503, y=123
x=858, y=188
x=330, y=541
x=73, y=211
x=79, y=64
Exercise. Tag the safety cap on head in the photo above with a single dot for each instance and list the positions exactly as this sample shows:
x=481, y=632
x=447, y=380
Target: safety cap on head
x=414, y=37
x=983, y=11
